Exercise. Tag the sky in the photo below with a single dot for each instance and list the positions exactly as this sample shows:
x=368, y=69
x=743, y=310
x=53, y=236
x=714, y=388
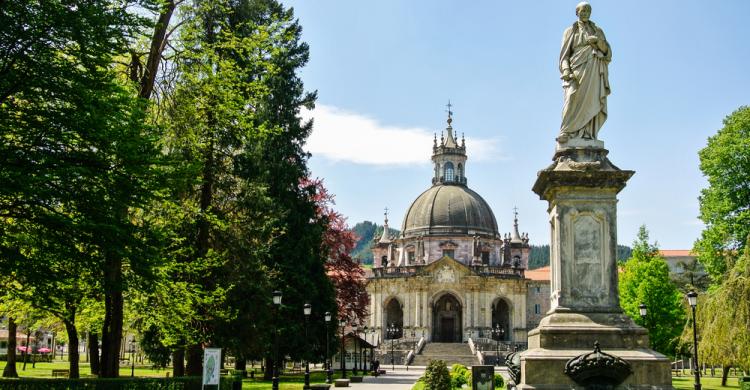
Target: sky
x=385, y=70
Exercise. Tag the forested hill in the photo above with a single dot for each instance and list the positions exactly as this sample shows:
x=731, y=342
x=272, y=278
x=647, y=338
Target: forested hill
x=540, y=255
x=366, y=231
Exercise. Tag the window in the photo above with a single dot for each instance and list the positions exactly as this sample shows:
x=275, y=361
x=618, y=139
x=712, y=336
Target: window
x=538, y=289
x=448, y=171
x=460, y=172
x=410, y=256
x=537, y=308
x=486, y=258
x=449, y=252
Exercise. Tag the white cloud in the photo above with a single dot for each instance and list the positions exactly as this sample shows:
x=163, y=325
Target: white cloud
x=340, y=135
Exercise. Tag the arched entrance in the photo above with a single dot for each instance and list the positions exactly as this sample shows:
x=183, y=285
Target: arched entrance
x=446, y=320
x=394, y=314
x=501, y=315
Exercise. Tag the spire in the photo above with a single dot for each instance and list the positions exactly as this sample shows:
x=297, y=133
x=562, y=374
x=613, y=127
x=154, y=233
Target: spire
x=451, y=141
x=384, y=239
x=516, y=236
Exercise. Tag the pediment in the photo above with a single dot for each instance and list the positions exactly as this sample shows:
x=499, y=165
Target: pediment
x=447, y=270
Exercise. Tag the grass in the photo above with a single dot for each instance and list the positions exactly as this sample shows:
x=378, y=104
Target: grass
x=707, y=383
x=44, y=370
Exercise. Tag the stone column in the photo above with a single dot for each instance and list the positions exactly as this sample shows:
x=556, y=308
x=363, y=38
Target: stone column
x=581, y=188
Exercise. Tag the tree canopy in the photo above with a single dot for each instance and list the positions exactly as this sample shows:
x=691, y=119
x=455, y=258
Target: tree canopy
x=645, y=280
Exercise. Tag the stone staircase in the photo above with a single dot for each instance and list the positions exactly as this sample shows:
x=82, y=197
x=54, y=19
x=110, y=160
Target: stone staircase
x=451, y=353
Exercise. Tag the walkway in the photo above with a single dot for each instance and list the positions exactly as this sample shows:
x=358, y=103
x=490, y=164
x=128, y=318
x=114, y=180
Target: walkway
x=392, y=380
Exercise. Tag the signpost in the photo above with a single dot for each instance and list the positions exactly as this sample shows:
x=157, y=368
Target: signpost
x=211, y=367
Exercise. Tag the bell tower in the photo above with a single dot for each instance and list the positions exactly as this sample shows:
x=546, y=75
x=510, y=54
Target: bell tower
x=449, y=158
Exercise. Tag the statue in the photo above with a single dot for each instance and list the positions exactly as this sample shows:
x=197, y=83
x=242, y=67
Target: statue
x=584, y=57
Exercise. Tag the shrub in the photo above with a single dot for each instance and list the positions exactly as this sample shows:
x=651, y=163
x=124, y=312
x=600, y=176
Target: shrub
x=436, y=376
x=499, y=382
x=460, y=375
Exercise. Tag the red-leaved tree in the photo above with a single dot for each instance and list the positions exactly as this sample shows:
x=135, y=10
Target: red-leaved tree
x=347, y=276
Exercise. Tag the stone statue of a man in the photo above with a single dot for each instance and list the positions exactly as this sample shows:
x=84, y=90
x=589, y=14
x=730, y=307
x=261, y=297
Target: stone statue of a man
x=584, y=57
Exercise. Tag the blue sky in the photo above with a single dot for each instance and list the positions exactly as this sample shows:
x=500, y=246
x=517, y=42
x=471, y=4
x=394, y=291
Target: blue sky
x=384, y=71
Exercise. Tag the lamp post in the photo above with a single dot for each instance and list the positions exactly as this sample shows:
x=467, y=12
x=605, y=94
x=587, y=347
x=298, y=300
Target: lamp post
x=692, y=297
x=343, y=349
x=392, y=331
x=277, y=306
x=356, y=341
x=497, y=334
x=362, y=351
x=307, y=309
x=132, y=358
x=329, y=369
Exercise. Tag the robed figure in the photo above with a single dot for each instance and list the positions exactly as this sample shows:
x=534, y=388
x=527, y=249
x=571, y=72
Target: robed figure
x=584, y=58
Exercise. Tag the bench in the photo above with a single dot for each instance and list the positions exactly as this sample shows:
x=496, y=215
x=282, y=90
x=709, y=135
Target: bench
x=323, y=386
x=355, y=379
x=60, y=373
x=341, y=383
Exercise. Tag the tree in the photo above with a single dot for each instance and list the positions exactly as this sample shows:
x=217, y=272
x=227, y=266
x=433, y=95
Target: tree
x=723, y=316
x=725, y=204
x=347, y=276
x=76, y=157
x=645, y=280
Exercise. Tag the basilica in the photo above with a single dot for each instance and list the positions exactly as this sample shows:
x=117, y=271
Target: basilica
x=450, y=275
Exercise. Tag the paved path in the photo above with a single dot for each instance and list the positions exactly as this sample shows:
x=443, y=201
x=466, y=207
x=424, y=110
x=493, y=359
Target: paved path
x=392, y=380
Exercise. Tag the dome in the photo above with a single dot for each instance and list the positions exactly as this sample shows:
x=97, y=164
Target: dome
x=449, y=209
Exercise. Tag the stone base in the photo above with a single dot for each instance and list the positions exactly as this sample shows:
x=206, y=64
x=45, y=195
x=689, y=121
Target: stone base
x=562, y=336
x=544, y=369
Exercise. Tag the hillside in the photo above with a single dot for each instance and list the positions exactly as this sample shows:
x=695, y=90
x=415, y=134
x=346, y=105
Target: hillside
x=366, y=231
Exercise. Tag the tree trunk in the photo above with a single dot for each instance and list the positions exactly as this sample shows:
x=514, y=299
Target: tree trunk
x=178, y=362
x=94, y=353
x=194, y=360
x=10, y=366
x=240, y=364
x=26, y=349
x=73, y=356
x=268, y=372
x=725, y=374
x=158, y=41
x=112, y=329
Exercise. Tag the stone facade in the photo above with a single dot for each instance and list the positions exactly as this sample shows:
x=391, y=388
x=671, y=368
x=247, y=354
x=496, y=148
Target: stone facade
x=450, y=275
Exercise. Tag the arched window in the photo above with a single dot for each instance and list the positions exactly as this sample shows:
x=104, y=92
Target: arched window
x=460, y=172
x=448, y=171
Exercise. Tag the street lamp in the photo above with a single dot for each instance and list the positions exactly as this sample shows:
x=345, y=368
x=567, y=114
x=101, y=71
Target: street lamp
x=132, y=358
x=392, y=331
x=342, y=323
x=329, y=371
x=356, y=341
x=277, y=305
x=692, y=298
x=497, y=334
x=307, y=309
x=366, y=331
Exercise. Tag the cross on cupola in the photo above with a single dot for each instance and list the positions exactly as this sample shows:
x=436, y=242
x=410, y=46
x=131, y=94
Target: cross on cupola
x=448, y=156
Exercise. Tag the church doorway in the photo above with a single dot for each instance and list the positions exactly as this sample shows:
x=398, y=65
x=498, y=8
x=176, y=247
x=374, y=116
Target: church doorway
x=394, y=315
x=501, y=316
x=446, y=320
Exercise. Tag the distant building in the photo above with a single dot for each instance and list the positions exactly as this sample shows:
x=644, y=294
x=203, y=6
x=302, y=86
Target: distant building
x=450, y=275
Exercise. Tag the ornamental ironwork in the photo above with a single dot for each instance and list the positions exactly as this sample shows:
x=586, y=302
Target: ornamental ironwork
x=597, y=369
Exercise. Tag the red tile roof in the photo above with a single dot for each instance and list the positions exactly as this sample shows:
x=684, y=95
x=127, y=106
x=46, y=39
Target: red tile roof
x=541, y=274
x=676, y=252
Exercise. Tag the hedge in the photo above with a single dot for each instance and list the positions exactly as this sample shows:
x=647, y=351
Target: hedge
x=178, y=383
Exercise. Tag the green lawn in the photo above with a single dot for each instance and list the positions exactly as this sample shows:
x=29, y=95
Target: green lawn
x=707, y=383
x=44, y=370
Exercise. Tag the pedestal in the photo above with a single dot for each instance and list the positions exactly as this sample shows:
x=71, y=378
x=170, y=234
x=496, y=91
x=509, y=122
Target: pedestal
x=581, y=188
